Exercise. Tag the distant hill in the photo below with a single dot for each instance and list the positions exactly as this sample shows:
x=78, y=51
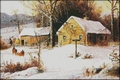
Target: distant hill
x=10, y=20
x=4, y=17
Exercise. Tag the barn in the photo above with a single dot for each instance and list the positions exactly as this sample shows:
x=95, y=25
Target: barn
x=31, y=36
x=88, y=32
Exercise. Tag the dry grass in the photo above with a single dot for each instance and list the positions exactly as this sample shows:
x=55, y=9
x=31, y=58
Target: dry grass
x=91, y=71
x=114, y=70
x=12, y=67
x=3, y=45
x=113, y=43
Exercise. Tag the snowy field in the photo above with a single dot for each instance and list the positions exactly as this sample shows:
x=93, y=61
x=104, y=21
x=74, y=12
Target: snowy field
x=57, y=63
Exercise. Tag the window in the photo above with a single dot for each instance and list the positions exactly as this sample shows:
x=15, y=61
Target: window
x=105, y=37
x=90, y=37
x=64, y=38
x=80, y=37
x=72, y=26
x=101, y=38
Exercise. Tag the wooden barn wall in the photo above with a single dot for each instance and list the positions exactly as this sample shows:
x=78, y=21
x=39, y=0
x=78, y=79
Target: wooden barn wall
x=98, y=39
x=32, y=40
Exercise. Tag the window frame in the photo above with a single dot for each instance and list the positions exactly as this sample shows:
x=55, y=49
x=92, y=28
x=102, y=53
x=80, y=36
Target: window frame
x=64, y=38
x=80, y=37
x=72, y=26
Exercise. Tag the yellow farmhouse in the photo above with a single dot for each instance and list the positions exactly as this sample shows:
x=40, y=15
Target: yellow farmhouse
x=87, y=31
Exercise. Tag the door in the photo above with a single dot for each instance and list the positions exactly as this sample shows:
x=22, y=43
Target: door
x=22, y=42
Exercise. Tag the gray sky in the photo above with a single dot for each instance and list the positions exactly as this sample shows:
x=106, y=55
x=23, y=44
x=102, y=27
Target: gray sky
x=9, y=6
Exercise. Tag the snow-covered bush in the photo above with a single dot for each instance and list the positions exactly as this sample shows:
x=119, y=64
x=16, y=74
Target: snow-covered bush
x=115, y=58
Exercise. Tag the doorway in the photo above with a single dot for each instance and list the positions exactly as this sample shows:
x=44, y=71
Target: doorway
x=22, y=42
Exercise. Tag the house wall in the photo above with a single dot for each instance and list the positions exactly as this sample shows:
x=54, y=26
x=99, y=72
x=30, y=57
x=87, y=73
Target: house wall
x=71, y=32
x=104, y=41
x=32, y=40
x=98, y=39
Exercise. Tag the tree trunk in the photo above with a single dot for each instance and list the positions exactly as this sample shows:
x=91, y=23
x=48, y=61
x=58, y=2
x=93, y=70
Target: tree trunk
x=112, y=20
x=42, y=21
x=39, y=51
x=40, y=63
x=18, y=24
x=51, y=28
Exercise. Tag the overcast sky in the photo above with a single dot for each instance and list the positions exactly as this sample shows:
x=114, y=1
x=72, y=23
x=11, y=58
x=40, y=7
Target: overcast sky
x=9, y=6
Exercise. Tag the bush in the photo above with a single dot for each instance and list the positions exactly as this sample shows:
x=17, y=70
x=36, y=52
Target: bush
x=12, y=67
x=3, y=45
x=114, y=71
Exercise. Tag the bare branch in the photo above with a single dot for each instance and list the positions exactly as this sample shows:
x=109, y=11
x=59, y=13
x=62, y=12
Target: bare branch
x=55, y=2
x=109, y=1
x=46, y=7
x=115, y=9
x=117, y=2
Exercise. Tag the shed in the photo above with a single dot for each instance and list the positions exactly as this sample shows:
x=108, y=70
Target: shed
x=31, y=36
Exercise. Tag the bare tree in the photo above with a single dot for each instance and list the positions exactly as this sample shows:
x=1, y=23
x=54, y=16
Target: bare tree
x=113, y=8
x=40, y=65
x=45, y=8
x=17, y=19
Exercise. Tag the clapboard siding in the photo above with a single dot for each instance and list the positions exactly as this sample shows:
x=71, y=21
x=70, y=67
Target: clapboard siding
x=71, y=33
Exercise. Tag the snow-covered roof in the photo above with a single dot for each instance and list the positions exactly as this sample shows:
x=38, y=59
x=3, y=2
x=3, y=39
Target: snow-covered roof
x=35, y=31
x=89, y=26
x=44, y=31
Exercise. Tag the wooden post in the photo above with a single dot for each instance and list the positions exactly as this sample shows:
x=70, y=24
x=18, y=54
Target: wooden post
x=74, y=56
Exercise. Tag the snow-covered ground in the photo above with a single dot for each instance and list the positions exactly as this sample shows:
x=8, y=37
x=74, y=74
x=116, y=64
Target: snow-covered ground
x=57, y=63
